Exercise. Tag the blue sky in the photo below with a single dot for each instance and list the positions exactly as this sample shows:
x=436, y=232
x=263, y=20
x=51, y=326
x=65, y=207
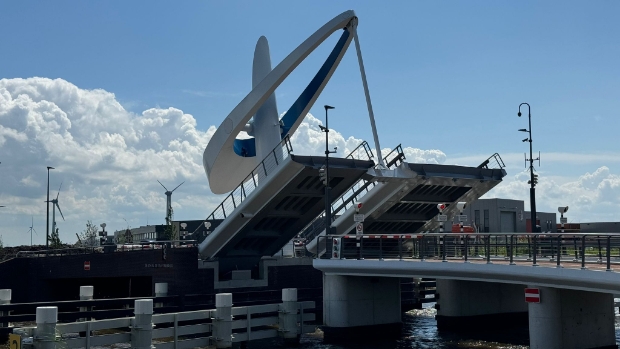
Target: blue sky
x=443, y=75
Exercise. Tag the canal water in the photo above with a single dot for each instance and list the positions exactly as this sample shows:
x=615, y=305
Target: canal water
x=420, y=332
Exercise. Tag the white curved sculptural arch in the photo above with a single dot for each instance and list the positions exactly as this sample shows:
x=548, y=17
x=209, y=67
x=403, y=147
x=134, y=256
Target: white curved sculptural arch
x=228, y=160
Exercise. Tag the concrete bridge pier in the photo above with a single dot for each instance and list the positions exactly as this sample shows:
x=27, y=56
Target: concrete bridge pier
x=571, y=319
x=360, y=307
x=464, y=306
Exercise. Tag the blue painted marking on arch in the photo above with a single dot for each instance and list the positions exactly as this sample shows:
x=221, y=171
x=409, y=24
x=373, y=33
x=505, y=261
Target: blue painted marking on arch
x=294, y=112
x=247, y=147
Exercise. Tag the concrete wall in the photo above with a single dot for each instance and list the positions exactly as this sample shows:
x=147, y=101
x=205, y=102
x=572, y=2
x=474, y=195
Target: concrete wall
x=463, y=304
x=352, y=301
x=571, y=319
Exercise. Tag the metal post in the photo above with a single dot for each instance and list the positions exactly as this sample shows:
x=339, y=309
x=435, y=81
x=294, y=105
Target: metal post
x=142, y=326
x=442, y=240
x=328, y=211
x=488, y=249
x=222, y=323
x=422, y=249
x=5, y=298
x=466, y=237
x=400, y=248
x=175, y=339
x=559, y=253
x=367, y=94
x=608, y=252
x=576, y=249
x=529, y=248
x=47, y=222
x=512, y=248
x=380, y=247
x=600, y=253
x=535, y=238
x=361, y=247
x=45, y=332
x=583, y=252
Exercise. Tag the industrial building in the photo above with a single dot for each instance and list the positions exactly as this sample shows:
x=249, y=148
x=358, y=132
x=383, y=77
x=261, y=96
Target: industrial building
x=505, y=216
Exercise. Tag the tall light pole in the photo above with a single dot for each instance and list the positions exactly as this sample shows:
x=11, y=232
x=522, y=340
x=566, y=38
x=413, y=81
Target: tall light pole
x=533, y=179
x=47, y=224
x=328, y=211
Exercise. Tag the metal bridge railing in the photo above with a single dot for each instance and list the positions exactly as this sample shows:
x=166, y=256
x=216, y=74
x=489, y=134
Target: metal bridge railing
x=361, y=152
x=353, y=194
x=551, y=249
x=494, y=161
x=257, y=176
x=395, y=157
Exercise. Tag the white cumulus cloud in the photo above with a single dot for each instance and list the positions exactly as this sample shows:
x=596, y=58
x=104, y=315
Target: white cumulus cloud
x=108, y=160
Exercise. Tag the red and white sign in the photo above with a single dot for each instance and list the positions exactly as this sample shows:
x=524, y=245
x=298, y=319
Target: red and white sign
x=359, y=229
x=532, y=295
x=87, y=265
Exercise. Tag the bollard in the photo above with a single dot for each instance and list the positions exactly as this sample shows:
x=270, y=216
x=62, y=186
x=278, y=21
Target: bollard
x=45, y=332
x=222, y=323
x=142, y=324
x=161, y=290
x=86, y=294
x=287, y=317
x=5, y=298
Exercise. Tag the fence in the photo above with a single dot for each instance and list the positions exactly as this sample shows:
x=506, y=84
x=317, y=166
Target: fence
x=220, y=327
x=567, y=247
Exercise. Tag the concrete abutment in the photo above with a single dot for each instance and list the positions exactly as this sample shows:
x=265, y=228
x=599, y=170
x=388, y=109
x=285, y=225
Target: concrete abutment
x=464, y=306
x=571, y=319
x=358, y=307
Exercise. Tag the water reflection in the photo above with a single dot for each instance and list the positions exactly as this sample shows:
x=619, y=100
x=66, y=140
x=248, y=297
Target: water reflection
x=420, y=332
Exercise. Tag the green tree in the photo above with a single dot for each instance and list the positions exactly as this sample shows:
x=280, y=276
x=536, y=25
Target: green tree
x=55, y=240
x=88, y=237
x=170, y=230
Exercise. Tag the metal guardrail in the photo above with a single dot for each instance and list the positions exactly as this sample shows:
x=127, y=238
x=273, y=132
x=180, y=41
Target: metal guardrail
x=581, y=248
x=361, y=152
x=395, y=157
x=266, y=167
x=137, y=246
x=494, y=161
x=252, y=181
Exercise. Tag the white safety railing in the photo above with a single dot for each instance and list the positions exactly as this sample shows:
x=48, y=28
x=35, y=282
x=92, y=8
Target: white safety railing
x=176, y=330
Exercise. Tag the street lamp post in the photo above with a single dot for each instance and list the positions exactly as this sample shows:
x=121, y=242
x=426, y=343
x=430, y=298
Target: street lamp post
x=47, y=224
x=532, y=180
x=328, y=213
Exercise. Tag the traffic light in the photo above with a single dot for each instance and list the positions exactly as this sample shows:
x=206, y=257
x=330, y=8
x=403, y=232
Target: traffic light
x=336, y=248
x=441, y=207
x=323, y=175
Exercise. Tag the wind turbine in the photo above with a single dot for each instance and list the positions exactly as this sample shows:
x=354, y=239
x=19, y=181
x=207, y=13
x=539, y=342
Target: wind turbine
x=169, y=201
x=31, y=230
x=54, y=205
